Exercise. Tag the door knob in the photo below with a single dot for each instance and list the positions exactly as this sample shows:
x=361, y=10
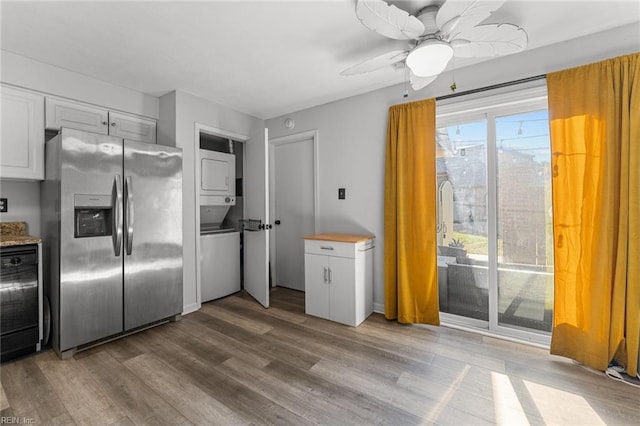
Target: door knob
x=277, y=222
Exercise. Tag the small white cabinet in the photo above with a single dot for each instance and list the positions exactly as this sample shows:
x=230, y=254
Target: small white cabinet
x=339, y=277
x=22, y=134
x=81, y=116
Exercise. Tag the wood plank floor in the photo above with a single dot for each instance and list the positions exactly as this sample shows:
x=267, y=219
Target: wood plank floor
x=234, y=362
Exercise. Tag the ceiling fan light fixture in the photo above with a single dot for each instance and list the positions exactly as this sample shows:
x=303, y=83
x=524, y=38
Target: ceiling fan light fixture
x=429, y=58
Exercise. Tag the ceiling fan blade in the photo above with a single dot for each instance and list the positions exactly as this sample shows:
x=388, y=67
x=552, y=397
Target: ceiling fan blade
x=388, y=20
x=418, y=83
x=490, y=40
x=457, y=16
x=376, y=62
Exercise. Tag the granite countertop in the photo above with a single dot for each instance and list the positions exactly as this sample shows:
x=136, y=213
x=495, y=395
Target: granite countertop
x=340, y=238
x=15, y=234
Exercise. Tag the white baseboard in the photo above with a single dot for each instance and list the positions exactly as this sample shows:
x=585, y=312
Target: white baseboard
x=191, y=308
x=378, y=308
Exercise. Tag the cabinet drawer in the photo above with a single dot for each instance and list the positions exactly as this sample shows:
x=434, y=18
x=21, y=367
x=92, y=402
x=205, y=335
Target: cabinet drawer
x=330, y=248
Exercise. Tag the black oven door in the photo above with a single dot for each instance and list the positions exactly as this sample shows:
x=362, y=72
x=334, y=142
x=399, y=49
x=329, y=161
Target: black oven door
x=18, y=300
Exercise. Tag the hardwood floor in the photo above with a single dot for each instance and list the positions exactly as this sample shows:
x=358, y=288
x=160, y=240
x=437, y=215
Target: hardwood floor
x=234, y=362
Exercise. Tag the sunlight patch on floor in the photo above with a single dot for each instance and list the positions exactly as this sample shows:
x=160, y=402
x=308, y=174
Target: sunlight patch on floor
x=506, y=404
x=442, y=402
x=561, y=407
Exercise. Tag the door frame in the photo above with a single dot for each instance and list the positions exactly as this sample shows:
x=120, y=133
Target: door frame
x=199, y=127
x=284, y=140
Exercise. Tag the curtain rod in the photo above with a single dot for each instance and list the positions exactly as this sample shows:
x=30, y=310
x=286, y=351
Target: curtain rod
x=495, y=86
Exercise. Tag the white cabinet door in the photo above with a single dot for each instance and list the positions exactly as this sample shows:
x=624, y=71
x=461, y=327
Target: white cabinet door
x=76, y=115
x=22, y=134
x=256, y=198
x=132, y=127
x=342, y=279
x=316, y=270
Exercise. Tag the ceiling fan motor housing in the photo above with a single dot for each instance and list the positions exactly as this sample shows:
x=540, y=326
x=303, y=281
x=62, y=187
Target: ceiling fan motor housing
x=427, y=15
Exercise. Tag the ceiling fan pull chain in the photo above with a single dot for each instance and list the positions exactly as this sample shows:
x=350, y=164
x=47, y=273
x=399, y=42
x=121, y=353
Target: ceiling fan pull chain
x=453, y=75
x=405, y=94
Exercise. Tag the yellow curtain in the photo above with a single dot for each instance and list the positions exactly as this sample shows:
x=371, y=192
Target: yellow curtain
x=410, y=251
x=595, y=138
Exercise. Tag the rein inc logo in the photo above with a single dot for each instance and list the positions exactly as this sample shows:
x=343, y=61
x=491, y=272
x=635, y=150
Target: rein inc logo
x=14, y=420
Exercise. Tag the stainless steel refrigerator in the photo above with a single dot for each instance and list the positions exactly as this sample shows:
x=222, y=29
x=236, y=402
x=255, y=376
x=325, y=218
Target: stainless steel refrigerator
x=112, y=221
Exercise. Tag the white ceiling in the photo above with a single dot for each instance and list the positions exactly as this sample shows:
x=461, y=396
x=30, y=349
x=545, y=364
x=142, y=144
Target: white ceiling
x=265, y=58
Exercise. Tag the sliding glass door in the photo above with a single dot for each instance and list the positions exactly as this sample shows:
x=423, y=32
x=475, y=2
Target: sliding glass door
x=495, y=248
x=463, y=249
x=524, y=221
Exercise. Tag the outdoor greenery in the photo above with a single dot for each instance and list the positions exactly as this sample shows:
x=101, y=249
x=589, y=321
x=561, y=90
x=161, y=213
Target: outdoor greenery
x=475, y=244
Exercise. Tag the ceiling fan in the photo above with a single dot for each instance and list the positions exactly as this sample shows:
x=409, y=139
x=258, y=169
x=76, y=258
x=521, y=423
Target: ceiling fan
x=438, y=32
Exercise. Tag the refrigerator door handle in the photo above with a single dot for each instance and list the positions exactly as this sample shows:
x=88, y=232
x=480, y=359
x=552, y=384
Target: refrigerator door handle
x=128, y=188
x=116, y=205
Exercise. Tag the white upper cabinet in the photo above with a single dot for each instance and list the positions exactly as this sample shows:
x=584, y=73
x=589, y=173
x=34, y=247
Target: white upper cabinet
x=131, y=127
x=80, y=116
x=22, y=134
x=75, y=115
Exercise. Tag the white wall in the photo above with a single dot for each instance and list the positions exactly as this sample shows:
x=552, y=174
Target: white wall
x=179, y=113
x=352, y=132
x=24, y=204
x=27, y=73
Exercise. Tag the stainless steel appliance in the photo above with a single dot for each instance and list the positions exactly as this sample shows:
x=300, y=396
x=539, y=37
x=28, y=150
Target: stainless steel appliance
x=112, y=219
x=19, y=301
x=217, y=178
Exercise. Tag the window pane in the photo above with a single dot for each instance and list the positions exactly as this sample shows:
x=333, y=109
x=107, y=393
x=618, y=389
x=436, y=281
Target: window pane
x=525, y=247
x=462, y=219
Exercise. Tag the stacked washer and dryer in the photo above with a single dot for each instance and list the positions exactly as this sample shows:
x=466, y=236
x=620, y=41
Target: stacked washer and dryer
x=219, y=239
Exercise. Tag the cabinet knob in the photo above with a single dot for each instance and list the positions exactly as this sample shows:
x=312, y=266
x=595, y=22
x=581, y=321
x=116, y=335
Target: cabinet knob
x=113, y=123
x=104, y=123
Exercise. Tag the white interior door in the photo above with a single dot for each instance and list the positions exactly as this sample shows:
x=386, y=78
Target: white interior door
x=256, y=243
x=292, y=192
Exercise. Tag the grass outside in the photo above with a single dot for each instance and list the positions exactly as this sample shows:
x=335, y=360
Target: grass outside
x=476, y=244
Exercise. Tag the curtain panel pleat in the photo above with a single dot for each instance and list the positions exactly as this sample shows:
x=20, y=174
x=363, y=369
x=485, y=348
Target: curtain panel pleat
x=595, y=139
x=410, y=250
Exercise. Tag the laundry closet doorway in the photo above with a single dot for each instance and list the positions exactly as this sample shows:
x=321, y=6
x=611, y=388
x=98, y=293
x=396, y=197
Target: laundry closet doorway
x=293, y=200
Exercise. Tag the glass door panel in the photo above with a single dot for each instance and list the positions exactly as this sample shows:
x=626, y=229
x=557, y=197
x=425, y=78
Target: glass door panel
x=524, y=221
x=461, y=165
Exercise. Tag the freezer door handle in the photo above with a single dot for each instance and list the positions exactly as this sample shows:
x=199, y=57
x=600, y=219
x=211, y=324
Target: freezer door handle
x=128, y=237
x=116, y=205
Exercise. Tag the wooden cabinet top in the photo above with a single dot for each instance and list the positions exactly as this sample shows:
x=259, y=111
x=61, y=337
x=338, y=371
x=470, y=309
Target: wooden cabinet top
x=340, y=238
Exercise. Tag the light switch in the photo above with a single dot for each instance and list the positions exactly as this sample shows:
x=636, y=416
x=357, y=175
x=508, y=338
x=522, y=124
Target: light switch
x=3, y=205
x=341, y=194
